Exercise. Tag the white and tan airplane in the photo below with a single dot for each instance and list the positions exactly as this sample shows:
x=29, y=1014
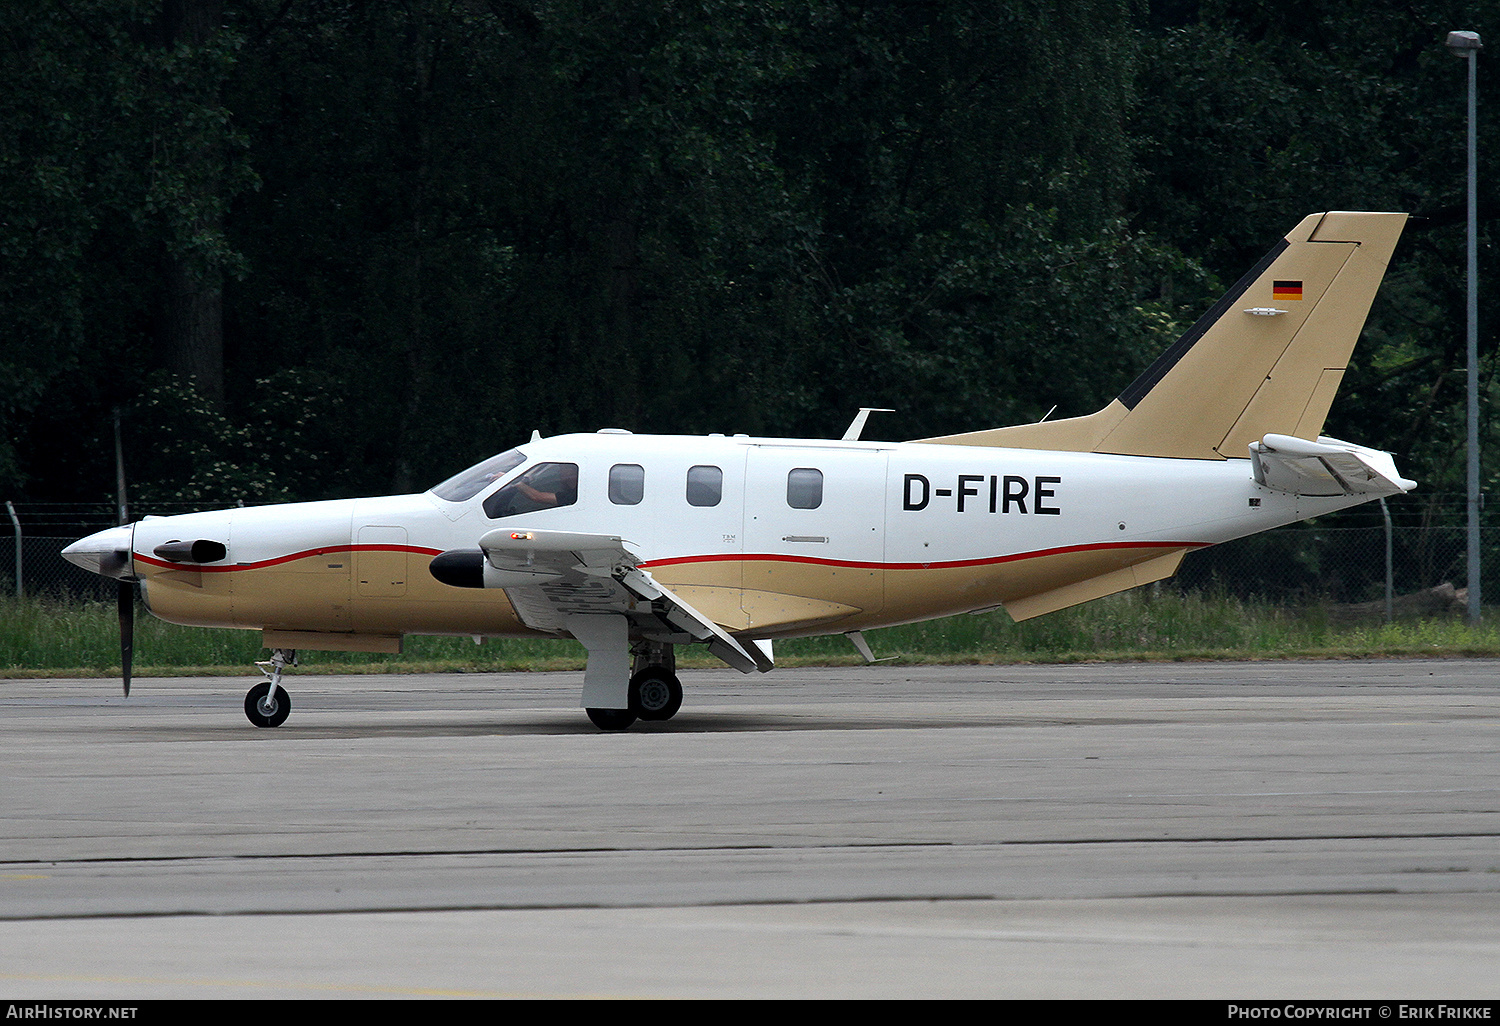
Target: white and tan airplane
x=635, y=544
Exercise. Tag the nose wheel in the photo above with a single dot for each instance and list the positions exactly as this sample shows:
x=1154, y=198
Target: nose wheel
x=267, y=707
x=267, y=704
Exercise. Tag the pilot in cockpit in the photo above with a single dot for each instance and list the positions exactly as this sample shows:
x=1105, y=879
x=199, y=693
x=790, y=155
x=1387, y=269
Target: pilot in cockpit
x=564, y=485
x=544, y=486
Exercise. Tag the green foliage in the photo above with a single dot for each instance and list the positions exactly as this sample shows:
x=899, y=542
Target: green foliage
x=117, y=154
x=37, y=637
x=199, y=454
x=1253, y=114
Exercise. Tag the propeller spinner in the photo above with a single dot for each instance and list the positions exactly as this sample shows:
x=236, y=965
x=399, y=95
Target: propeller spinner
x=108, y=553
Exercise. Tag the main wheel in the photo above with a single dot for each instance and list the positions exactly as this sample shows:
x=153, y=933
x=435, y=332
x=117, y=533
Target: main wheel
x=655, y=694
x=266, y=709
x=611, y=719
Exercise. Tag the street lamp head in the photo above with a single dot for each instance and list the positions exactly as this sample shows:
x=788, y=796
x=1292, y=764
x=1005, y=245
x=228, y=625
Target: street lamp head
x=1463, y=44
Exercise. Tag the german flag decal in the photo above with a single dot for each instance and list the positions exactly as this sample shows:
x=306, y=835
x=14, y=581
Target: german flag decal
x=1286, y=290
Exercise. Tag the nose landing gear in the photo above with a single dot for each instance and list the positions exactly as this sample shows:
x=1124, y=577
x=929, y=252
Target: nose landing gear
x=267, y=704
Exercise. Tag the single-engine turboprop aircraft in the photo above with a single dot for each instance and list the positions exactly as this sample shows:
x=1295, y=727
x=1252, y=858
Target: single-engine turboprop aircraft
x=635, y=544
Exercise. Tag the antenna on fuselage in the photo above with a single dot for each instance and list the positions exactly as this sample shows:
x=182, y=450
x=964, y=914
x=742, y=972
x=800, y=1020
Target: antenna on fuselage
x=858, y=638
x=857, y=426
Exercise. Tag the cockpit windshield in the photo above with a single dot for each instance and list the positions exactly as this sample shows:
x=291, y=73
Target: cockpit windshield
x=469, y=483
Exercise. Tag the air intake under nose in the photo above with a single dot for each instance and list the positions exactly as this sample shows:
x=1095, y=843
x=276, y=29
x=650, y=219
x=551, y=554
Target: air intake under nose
x=459, y=568
x=201, y=551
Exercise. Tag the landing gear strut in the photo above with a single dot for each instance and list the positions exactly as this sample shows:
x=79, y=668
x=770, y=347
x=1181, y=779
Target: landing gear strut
x=267, y=704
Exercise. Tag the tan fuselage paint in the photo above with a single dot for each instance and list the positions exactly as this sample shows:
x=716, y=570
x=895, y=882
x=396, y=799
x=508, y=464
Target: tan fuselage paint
x=321, y=593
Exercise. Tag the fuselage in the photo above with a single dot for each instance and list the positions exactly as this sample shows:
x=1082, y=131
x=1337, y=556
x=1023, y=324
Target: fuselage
x=768, y=537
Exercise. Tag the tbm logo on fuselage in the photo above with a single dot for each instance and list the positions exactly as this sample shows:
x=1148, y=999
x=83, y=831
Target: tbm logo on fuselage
x=1006, y=493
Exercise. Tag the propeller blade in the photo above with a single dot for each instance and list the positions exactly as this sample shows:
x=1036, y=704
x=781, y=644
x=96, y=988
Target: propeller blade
x=125, y=604
x=125, y=597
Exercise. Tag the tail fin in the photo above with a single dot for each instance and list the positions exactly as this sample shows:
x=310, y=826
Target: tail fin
x=1267, y=358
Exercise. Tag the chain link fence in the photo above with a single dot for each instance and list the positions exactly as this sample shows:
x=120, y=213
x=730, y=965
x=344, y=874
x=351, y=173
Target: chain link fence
x=1338, y=562
x=1406, y=557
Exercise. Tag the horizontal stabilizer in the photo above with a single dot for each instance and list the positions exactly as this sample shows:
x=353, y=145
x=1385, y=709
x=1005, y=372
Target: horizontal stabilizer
x=1325, y=467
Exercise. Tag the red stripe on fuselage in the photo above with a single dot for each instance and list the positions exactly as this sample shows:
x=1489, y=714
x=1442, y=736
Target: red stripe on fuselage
x=679, y=560
x=934, y=564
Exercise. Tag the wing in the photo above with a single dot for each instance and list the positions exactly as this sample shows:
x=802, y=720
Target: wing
x=1325, y=467
x=551, y=576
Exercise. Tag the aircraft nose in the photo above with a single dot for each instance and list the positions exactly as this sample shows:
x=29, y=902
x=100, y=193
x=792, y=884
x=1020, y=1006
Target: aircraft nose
x=106, y=553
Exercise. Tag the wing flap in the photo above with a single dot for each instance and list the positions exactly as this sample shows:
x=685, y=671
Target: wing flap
x=676, y=611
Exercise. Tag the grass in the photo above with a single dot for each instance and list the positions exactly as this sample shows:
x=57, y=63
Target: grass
x=42, y=638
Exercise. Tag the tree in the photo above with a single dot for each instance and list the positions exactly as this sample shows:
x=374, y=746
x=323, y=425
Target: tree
x=117, y=161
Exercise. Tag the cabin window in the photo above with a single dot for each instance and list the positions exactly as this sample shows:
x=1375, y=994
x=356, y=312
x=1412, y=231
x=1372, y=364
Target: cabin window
x=544, y=486
x=627, y=484
x=804, y=488
x=705, y=486
x=469, y=483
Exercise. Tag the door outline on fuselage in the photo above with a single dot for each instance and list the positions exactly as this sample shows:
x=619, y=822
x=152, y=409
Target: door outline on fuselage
x=381, y=561
x=832, y=555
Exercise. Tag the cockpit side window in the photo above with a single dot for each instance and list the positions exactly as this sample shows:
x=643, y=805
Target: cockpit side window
x=544, y=486
x=469, y=483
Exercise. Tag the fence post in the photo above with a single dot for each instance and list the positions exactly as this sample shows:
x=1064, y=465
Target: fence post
x=17, y=522
x=1390, y=596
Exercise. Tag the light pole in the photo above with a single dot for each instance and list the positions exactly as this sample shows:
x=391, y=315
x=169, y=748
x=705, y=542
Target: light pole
x=1467, y=46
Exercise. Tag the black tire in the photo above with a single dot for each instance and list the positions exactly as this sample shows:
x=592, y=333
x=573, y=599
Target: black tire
x=611, y=719
x=263, y=713
x=655, y=694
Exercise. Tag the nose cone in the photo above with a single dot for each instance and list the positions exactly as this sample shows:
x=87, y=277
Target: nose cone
x=106, y=553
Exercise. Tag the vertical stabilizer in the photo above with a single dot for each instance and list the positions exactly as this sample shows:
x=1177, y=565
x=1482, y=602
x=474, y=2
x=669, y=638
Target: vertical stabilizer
x=1266, y=359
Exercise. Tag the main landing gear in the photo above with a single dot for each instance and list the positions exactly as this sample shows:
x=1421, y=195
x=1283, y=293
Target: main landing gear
x=267, y=704
x=655, y=692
